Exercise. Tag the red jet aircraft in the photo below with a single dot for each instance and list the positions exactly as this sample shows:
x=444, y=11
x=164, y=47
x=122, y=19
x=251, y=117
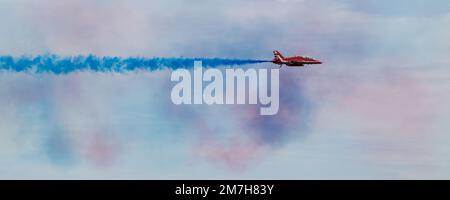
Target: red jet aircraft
x=296, y=61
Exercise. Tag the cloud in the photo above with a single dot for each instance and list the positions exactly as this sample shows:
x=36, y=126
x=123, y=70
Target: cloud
x=379, y=80
x=400, y=7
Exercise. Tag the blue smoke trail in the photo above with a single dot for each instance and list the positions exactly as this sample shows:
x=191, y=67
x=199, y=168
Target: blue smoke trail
x=64, y=65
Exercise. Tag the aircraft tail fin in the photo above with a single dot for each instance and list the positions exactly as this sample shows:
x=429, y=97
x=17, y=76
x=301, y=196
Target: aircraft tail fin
x=278, y=55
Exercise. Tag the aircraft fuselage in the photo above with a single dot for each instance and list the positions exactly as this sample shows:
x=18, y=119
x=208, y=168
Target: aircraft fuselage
x=296, y=61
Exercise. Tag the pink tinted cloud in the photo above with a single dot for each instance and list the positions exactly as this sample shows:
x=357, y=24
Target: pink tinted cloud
x=102, y=149
x=79, y=116
x=385, y=102
x=237, y=153
x=89, y=27
x=253, y=136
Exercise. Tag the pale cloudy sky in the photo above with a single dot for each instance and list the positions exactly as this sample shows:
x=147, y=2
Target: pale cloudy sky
x=378, y=108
